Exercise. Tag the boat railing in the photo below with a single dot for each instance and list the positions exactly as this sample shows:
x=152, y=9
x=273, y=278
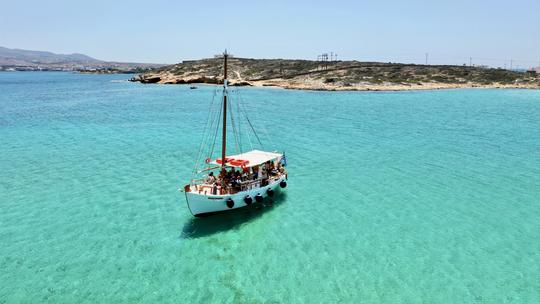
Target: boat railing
x=257, y=183
x=202, y=187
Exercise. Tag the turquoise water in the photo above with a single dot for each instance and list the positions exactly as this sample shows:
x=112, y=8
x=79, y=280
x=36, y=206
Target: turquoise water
x=416, y=197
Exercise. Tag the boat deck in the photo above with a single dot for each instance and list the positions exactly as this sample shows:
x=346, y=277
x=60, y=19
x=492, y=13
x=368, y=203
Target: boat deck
x=210, y=189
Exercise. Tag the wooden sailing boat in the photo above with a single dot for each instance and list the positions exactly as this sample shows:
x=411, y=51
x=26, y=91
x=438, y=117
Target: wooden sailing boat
x=233, y=181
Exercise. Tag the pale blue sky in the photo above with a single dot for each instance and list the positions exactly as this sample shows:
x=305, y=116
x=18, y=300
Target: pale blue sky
x=492, y=32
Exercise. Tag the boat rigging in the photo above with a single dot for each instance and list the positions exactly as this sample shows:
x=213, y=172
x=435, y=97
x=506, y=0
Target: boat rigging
x=238, y=180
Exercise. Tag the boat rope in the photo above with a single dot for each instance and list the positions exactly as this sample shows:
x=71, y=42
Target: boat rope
x=216, y=132
x=242, y=124
x=206, y=131
x=246, y=128
x=249, y=122
x=214, y=121
x=215, y=124
x=265, y=131
x=239, y=125
x=267, y=134
x=234, y=129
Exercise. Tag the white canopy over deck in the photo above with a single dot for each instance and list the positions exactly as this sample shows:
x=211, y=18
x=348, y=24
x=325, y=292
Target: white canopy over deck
x=248, y=159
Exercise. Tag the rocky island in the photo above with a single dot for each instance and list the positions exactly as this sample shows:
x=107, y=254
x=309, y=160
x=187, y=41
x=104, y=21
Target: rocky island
x=339, y=75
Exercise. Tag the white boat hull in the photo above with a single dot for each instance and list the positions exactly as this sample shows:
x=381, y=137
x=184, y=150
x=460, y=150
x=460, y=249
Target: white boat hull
x=201, y=204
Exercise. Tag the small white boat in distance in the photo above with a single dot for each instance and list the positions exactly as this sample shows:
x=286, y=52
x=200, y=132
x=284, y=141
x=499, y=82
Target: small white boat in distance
x=242, y=179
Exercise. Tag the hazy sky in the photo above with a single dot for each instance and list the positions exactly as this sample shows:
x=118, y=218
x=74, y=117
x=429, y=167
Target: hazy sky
x=491, y=32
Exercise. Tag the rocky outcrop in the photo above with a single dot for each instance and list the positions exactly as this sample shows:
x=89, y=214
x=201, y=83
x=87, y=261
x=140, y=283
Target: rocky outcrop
x=341, y=75
x=175, y=79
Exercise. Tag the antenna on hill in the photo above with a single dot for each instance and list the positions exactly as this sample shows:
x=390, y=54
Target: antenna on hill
x=323, y=61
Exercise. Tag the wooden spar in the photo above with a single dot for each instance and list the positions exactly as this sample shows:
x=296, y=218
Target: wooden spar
x=224, y=136
x=208, y=169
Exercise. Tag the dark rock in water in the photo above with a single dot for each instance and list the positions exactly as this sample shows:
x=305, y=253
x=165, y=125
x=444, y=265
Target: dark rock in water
x=241, y=84
x=150, y=79
x=145, y=79
x=204, y=79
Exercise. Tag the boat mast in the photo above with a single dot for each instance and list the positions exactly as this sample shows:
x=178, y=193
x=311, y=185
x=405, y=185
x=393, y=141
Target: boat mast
x=224, y=136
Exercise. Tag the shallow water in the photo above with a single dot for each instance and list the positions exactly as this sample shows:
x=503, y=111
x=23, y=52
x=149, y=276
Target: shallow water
x=393, y=197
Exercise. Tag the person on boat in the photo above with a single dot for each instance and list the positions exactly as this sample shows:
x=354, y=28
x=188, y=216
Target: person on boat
x=245, y=176
x=220, y=182
x=225, y=179
x=263, y=176
x=215, y=188
x=237, y=183
x=211, y=179
x=255, y=175
x=238, y=179
x=269, y=169
x=275, y=169
x=281, y=169
x=241, y=176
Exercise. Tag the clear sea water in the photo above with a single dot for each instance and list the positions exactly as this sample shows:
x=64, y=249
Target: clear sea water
x=393, y=197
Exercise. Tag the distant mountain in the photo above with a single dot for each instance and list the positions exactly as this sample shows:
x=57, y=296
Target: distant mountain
x=25, y=57
x=17, y=59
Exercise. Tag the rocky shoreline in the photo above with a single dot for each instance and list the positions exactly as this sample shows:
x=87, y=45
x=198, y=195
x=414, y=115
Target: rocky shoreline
x=339, y=76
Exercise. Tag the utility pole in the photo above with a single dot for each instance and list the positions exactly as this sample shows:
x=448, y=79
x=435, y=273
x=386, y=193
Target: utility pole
x=427, y=58
x=335, y=57
x=331, y=56
x=511, y=62
x=470, y=61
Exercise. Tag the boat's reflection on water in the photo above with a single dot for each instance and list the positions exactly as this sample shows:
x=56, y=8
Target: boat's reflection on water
x=197, y=227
